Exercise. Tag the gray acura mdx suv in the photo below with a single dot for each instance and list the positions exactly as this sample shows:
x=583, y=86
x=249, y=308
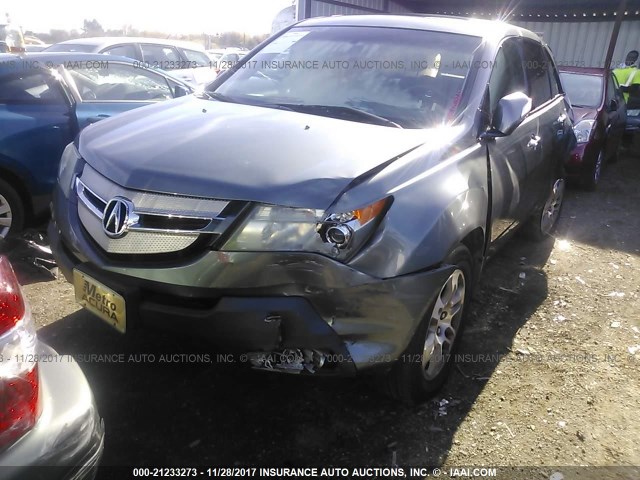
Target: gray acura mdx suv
x=327, y=205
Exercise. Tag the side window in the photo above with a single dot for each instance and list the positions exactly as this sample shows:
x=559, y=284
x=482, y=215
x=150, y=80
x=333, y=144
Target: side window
x=507, y=75
x=127, y=50
x=161, y=56
x=614, y=90
x=554, y=76
x=35, y=88
x=535, y=65
x=195, y=58
x=119, y=82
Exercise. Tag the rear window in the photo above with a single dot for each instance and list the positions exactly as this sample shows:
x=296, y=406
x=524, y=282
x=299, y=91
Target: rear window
x=583, y=90
x=196, y=58
x=71, y=47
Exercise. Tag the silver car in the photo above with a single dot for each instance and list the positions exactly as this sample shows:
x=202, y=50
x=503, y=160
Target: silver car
x=49, y=424
x=187, y=61
x=326, y=206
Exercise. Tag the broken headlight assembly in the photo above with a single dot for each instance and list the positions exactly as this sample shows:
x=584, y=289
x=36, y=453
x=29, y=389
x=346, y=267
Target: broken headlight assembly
x=285, y=229
x=71, y=165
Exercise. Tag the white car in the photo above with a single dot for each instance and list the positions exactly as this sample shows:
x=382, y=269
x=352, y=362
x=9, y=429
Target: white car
x=229, y=59
x=184, y=60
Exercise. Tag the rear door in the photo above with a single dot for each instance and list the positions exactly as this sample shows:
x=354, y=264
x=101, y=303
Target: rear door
x=35, y=113
x=106, y=88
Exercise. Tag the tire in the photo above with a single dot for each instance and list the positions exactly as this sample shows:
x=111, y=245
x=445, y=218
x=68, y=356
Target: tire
x=412, y=378
x=12, y=214
x=591, y=181
x=544, y=221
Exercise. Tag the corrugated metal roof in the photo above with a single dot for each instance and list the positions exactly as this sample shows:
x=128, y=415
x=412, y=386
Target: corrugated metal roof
x=551, y=9
x=584, y=44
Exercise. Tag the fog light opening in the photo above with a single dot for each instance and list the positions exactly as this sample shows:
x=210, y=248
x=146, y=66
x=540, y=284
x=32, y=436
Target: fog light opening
x=290, y=360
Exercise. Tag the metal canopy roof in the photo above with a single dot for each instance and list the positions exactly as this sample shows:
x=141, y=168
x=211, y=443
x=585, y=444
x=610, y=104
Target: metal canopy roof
x=545, y=10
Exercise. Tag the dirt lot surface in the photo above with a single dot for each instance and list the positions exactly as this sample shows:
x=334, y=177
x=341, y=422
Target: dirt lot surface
x=550, y=373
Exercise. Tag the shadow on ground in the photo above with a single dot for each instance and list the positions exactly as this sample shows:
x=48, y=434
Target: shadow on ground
x=198, y=411
x=193, y=412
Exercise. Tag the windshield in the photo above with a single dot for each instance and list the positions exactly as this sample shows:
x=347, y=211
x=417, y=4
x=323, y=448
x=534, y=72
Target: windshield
x=412, y=78
x=71, y=47
x=583, y=90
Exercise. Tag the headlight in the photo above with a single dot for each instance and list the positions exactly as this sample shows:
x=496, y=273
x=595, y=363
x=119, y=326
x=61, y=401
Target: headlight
x=284, y=229
x=583, y=130
x=70, y=165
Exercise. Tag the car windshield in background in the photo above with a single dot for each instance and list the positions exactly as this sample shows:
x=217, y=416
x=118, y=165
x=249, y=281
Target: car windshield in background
x=583, y=90
x=407, y=78
x=115, y=83
x=70, y=47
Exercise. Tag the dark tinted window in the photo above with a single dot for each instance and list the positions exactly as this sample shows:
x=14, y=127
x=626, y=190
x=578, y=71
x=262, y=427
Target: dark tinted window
x=31, y=88
x=161, y=56
x=536, y=67
x=507, y=75
x=123, y=51
x=553, y=75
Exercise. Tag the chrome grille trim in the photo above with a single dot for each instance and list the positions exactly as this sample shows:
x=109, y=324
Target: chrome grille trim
x=159, y=223
x=96, y=205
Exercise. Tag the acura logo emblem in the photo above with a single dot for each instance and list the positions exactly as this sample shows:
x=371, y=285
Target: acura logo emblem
x=117, y=217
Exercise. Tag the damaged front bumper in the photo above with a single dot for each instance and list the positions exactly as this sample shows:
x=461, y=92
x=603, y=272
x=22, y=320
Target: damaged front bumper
x=317, y=314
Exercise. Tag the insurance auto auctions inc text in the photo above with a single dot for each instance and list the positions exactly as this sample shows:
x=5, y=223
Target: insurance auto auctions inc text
x=374, y=472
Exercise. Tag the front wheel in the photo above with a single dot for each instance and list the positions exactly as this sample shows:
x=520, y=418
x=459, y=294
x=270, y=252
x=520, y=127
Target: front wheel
x=592, y=180
x=424, y=366
x=11, y=210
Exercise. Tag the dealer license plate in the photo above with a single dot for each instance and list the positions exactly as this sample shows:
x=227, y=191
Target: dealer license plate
x=100, y=300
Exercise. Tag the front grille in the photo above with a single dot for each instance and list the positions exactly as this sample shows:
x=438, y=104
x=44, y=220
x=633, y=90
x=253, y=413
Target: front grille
x=155, y=223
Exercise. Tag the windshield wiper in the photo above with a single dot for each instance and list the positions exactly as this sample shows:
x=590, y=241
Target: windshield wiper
x=341, y=111
x=216, y=96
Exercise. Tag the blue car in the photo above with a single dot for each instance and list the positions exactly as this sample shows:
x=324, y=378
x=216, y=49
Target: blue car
x=45, y=100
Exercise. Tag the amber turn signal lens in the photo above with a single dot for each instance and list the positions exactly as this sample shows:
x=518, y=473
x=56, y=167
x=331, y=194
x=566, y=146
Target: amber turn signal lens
x=366, y=214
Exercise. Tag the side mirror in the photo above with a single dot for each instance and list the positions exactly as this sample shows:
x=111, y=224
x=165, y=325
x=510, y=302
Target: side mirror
x=613, y=105
x=510, y=113
x=180, y=91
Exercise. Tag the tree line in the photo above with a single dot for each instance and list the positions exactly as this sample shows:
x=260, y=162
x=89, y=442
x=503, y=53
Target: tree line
x=93, y=28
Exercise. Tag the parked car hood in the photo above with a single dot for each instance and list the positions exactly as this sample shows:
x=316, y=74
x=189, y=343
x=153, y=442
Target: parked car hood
x=192, y=146
x=584, y=113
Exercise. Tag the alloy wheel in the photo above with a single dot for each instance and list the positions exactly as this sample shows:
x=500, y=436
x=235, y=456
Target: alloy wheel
x=5, y=217
x=444, y=324
x=551, y=211
x=597, y=168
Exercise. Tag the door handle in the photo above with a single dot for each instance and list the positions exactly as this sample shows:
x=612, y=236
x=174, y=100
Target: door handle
x=534, y=141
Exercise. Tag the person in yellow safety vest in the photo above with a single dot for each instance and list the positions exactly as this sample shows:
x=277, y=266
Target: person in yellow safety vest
x=628, y=75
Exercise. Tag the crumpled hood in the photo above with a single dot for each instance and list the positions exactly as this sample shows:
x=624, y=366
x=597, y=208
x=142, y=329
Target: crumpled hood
x=197, y=147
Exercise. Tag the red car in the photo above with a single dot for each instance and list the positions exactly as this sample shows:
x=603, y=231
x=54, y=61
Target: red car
x=600, y=116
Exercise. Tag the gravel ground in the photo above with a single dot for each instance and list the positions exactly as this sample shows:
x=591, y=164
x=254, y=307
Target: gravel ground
x=549, y=375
